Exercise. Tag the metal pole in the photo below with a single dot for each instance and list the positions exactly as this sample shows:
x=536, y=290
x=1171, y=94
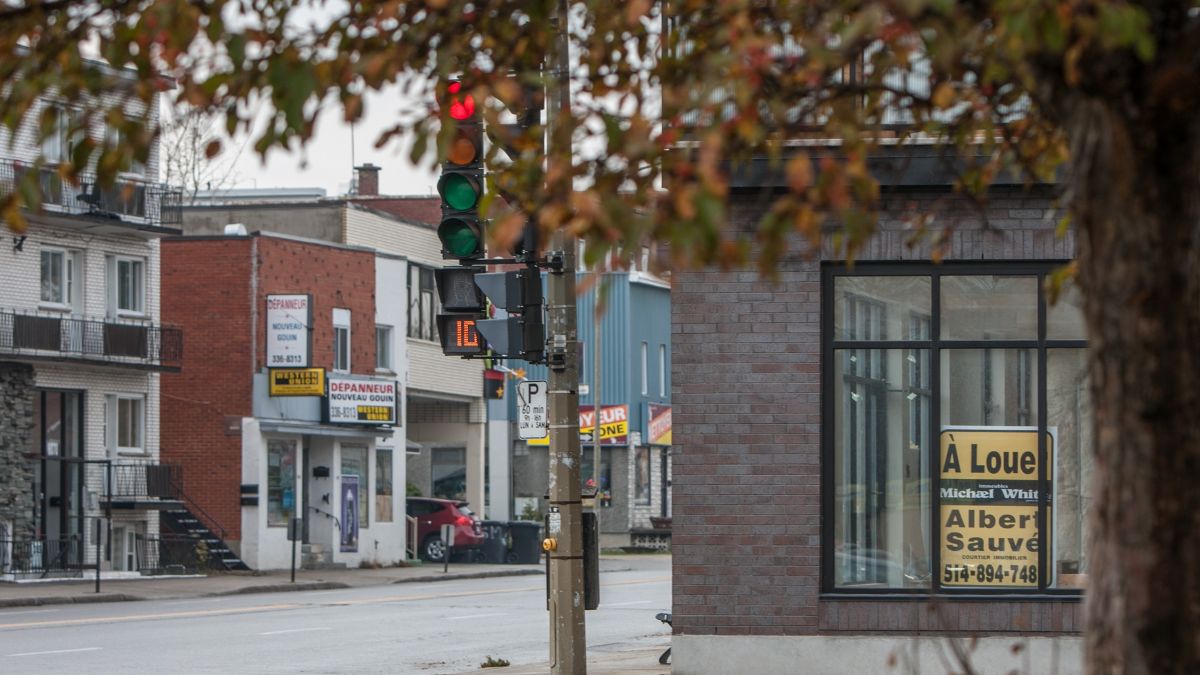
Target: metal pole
x=568, y=643
x=597, y=401
x=97, y=555
x=293, y=559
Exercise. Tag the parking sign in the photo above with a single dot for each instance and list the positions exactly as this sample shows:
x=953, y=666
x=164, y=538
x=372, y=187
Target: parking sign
x=533, y=414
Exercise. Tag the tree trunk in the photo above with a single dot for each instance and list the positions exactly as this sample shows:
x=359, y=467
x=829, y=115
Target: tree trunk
x=1136, y=201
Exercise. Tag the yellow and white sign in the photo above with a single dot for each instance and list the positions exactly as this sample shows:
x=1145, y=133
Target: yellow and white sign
x=297, y=381
x=989, y=506
x=614, y=426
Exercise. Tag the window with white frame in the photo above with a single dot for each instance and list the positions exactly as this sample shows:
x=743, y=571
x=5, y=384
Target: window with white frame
x=383, y=347
x=131, y=414
x=115, y=138
x=341, y=340
x=126, y=286
x=62, y=277
x=57, y=147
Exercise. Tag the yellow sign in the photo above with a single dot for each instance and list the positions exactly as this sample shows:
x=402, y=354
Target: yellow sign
x=989, y=506
x=297, y=381
x=614, y=426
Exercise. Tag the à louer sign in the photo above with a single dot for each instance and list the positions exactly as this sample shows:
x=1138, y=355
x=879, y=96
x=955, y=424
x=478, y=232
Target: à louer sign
x=988, y=505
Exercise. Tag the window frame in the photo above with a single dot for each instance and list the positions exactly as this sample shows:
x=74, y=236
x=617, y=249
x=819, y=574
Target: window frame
x=384, y=357
x=140, y=291
x=70, y=281
x=139, y=426
x=933, y=342
x=342, y=347
x=422, y=319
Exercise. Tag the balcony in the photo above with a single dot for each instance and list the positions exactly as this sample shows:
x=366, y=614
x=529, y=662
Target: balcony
x=144, y=486
x=90, y=340
x=131, y=201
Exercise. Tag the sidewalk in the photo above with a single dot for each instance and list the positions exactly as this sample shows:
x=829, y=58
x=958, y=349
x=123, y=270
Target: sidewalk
x=633, y=662
x=233, y=583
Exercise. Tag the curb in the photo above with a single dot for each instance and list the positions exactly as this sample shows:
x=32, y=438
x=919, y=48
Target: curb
x=68, y=600
x=471, y=575
x=282, y=588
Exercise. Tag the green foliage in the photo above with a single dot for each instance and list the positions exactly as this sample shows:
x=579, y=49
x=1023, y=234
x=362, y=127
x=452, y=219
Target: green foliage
x=530, y=512
x=494, y=663
x=411, y=489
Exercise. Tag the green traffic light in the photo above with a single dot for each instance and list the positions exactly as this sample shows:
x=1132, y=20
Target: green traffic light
x=458, y=192
x=459, y=238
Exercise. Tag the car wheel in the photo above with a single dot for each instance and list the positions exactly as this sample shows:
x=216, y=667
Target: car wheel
x=433, y=549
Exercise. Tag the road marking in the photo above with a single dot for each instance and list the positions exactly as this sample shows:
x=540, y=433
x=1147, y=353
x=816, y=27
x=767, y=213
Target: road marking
x=282, y=606
x=30, y=611
x=473, y=616
x=633, y=602
x=146, y=617
x=294, y=630
x=60, y=651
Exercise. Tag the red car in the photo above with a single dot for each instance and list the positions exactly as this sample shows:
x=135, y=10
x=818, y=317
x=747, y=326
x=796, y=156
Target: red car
x=431, y=514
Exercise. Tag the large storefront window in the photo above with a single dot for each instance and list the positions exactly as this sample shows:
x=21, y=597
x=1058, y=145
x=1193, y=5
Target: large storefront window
x=281, y=482
x=957, y=398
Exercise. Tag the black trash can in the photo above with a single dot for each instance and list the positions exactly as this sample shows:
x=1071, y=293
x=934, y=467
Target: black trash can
x=526, y=542
x=495, y=541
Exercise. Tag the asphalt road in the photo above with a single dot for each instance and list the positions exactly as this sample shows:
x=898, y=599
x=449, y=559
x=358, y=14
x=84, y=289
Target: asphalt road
x=444, y=627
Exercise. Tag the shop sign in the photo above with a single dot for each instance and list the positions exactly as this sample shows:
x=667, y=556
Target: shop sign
x=614, y=426
x=361, y=401
x=297, y=381
x=988, y=505
x=288, y=334
x=660, y=424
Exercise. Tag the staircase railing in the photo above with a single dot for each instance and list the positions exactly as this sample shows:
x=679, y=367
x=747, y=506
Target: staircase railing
x=203, y=516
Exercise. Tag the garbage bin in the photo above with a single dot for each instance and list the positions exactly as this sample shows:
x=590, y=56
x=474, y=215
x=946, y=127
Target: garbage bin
x=495, y=541
x=526, y=542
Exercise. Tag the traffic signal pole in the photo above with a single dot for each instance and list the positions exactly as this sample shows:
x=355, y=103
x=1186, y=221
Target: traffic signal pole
x=568, y=641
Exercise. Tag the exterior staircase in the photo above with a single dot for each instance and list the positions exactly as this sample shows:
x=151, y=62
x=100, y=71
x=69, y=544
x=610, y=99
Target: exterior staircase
x=183, y=521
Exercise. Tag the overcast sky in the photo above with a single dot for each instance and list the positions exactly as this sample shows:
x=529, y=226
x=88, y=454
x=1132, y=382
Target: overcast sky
x=328, y=159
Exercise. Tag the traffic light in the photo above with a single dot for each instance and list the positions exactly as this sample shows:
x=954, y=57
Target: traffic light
x=522, y=334
x=465, y=307
x=461, y=183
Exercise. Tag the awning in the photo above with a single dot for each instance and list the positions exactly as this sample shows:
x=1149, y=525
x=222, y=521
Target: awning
x=313, y=429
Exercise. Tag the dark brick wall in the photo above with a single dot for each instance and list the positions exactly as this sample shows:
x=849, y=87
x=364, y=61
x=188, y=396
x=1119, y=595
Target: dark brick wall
x=746, y=409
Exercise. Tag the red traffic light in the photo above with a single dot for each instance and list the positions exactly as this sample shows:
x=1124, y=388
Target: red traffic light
x=462, y=106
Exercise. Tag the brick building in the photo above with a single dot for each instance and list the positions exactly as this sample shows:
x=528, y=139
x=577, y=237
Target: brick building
x=81, y=350
x=289, y=405
x=864, y=467
x=445, y=412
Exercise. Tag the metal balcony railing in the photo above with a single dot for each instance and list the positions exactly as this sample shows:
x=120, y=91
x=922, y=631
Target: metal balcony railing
x=138, y=482
x=127, y=199
x=166, y=554
x=90, y=339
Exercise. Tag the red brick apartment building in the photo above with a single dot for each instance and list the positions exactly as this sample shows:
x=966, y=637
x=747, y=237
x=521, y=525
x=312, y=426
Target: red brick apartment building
x=255, y=417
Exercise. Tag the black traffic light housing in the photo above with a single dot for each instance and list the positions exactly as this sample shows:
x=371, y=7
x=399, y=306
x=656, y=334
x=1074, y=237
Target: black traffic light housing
x=461, y=184
x=522, y=334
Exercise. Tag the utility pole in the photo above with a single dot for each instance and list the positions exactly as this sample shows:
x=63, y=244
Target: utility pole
x=568, y=641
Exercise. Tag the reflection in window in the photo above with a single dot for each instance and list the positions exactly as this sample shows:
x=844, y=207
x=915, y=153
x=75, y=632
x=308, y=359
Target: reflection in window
x=881, y=519
x=988, y=307
x=449, y=473
x=873, y=308
x=989, y=387
x=641, y=479
x=281, y=482
x=383, y=485
x=1069, y=420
